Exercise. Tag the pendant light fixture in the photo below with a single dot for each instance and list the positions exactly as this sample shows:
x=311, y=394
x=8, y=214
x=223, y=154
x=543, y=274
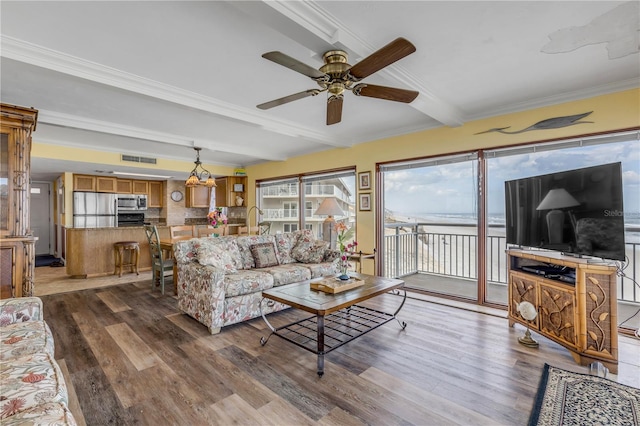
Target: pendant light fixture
x=197, y=178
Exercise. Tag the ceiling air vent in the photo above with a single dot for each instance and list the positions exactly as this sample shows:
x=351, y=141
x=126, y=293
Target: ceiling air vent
x=136, y=159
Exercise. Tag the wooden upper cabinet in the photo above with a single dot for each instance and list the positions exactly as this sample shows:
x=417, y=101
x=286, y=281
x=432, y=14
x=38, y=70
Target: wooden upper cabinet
x=125, y=186
x=106, y=184
x=155, y=195
x=198, y=196
x=228, y=189
x=221, y=192
x=140, y=187
x=84, y=183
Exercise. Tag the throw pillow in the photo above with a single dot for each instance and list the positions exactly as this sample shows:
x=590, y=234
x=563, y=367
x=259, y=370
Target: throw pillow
x=309, y=251
x=264, y=254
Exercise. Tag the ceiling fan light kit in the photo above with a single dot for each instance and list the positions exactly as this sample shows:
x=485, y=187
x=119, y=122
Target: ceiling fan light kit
x=336, y=76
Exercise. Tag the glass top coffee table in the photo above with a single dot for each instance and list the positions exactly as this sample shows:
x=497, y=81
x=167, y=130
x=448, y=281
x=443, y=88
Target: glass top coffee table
x=337, y=318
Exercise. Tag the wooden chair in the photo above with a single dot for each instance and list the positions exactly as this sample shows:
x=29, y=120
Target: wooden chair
x=159, y=265
x=181, y=232
x=206, y=232
x=245, y=230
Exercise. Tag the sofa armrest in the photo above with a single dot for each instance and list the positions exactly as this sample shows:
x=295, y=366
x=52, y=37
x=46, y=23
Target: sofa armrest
x=20, y=309
x=201, y=293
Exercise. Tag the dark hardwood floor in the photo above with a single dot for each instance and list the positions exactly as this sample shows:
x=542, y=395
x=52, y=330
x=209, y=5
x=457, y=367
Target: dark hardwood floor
x=130, y=357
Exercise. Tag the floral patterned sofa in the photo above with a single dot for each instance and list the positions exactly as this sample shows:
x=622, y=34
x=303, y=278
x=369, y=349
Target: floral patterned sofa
x=220, y=279
x=32, y=388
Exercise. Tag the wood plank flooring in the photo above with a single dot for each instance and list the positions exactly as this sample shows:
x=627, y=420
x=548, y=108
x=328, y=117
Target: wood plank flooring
x=132, y=358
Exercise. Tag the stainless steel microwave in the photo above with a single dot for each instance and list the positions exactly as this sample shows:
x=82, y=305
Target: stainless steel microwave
x=131, y=202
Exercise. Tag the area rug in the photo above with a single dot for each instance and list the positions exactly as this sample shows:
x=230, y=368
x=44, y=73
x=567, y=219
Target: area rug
x=567, y=398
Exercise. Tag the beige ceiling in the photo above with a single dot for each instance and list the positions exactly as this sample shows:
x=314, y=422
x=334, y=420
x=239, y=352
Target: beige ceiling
x=157, y=78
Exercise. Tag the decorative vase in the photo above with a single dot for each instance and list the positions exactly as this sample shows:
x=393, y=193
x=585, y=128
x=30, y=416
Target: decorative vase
x=344, y=277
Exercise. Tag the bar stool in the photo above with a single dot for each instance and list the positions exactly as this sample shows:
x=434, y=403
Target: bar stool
x=132, y=249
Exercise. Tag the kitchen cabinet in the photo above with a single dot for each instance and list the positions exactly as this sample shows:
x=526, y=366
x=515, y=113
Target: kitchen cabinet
x=84, y=183
x=198, y=196
x=155, y=195
x=125, y=186
x=575, y=300
x=140, y=187
x=17, y=245
x=221, y=192
x=236, y=186
x=228, y=189
x=106, y=184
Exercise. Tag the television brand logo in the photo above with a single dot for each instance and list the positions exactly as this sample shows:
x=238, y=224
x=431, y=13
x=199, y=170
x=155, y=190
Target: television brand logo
x=613, y=213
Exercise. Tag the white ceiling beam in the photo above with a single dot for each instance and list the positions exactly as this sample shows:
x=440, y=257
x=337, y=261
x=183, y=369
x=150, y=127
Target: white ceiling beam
x=82, y=123
x=313, y=18
x=22, y=51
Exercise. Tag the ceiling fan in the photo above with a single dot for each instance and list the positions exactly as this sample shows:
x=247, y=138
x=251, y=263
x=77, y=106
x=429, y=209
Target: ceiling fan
x=336, y=76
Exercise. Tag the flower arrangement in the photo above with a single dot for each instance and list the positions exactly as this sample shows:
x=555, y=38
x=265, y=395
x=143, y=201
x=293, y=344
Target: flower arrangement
x=345, y=234
x=216, y=217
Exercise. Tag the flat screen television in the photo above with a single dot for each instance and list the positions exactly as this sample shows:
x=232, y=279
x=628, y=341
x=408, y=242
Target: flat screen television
x=577, y=212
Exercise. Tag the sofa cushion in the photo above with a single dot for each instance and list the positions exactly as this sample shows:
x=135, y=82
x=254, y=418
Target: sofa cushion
x=50, y=413
x=309, y=250
x=217, y=252
x=246, y=281
x=244, y=246
x=25, y=338
x=264, y=255
x=287, y=274
x=29, y=381
x=284, y=244
x=322, y=269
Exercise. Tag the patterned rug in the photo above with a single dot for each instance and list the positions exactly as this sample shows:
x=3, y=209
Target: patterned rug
x=567, y=398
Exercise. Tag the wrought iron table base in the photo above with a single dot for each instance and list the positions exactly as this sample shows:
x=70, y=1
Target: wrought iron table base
x=321, y=334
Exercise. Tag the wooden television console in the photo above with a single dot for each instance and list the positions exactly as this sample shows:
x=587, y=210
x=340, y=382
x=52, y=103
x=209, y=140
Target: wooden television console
x=579, y=315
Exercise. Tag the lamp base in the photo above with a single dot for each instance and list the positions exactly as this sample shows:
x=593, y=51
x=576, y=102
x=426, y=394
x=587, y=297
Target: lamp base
x=328, y=232
x=527, y=340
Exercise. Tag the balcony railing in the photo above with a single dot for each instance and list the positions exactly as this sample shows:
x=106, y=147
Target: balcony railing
x=409, y=250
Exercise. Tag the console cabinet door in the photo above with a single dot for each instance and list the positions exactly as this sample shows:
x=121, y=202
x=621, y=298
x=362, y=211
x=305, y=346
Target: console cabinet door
x=522, y=288
x=557, y=313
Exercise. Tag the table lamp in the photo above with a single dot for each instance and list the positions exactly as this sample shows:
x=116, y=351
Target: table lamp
x=330, y=208
x=529, y=313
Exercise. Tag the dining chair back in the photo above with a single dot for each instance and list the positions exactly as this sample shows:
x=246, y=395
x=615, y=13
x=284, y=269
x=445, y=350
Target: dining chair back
x=159, y=265
x=245, y=230
x=181, y=232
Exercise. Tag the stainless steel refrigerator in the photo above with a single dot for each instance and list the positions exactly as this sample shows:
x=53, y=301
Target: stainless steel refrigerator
x=94, y=210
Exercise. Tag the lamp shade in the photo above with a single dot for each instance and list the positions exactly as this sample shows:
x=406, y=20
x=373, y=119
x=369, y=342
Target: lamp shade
x=329, y=207
x=557, y=198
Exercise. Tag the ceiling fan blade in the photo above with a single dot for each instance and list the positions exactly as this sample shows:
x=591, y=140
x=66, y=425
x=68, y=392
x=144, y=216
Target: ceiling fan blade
x=384, y=92
x=294, y=64
x=334, y=110
x=287, y=99
x=394, y=51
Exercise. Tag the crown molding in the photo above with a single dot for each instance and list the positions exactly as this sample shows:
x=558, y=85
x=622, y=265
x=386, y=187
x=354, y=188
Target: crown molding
x=560, y=98
x=313, y=18
x=23, y=51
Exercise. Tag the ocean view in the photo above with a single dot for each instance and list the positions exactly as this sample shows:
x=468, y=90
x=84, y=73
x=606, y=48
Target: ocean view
x=496, y=222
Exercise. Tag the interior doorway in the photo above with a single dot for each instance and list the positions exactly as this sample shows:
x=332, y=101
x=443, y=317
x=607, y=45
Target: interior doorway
x=41, y=212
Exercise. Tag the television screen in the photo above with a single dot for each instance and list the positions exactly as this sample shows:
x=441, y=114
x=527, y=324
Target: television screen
x=576, y=211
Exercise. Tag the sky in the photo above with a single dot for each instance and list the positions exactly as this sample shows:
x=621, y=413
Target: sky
x=451, y=188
